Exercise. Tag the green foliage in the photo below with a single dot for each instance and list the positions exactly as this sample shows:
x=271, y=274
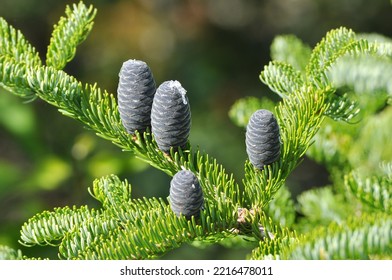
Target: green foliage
x=281, y=209
x=243, y=108
x=16, y=55
x=373, y=191
x=7, y=253
x=291, y=50
x=118, y=230
x=321, y=207
x=69, y=32
x=365, y=75
x=357, y=238
x=261, y=209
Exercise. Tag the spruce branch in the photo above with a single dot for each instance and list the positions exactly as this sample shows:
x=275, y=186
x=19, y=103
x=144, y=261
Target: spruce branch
x=68, y=33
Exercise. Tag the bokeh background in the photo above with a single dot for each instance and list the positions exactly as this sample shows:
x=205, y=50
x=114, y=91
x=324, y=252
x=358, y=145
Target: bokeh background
x=215, y=48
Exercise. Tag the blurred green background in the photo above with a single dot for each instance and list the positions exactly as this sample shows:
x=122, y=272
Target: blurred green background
x=215, y=48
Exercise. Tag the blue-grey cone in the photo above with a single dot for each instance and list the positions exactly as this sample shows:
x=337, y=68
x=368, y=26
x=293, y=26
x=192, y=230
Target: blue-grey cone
x=186, y=196
x=262, y=139
x=135, y=94
x=170, y=116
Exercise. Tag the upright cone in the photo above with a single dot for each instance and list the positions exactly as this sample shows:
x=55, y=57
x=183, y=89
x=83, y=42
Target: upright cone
x=262, y=139
x=135, y=91
x=170, y=116
x=186, y=196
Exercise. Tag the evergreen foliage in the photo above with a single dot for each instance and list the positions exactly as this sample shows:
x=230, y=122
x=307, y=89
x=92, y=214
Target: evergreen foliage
x=318, y=116
x=7, y=253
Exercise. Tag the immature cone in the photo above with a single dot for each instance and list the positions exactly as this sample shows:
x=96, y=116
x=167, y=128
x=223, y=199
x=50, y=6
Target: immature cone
x=135, y=91
x=262, y=139
x=186, y=196
x=170, y=116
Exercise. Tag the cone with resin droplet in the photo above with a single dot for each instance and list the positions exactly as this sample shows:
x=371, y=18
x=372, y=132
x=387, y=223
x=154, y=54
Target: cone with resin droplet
x=170, y=116
x=262, y=139
x=135, y=91
x=186, y=196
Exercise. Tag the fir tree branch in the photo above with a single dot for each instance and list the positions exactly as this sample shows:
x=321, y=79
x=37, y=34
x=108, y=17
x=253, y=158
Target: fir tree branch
x=47, y=227
x=99, y=111
x=152, y=234
x=13, y=78
x=364, y=74
x=322, y=206
x=291, y=50
x=382, y=44
x=111, y=192
x=342, y=108
x=7, y=253
x=13, y=45
x=375, y=191
x=300, y=114
x=275, y=240
x=281, y=209
x=69, y=32
x=126, y=228
x=16, y=54
x=358, y=238
x=370, y=146
x=386, y=168
x=282, y=78
x=334, y=45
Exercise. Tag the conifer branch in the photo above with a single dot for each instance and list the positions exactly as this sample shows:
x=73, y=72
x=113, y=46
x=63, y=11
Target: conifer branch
x=128, y=228
x=306, y=99
x=375, y=191
x=366, y=74
x=7, y=253
x=291, y=50
x=47, y=228
x=276, y=240
x=358, y=238
x=68, y=33
x=16, y=55
x=282, y=78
